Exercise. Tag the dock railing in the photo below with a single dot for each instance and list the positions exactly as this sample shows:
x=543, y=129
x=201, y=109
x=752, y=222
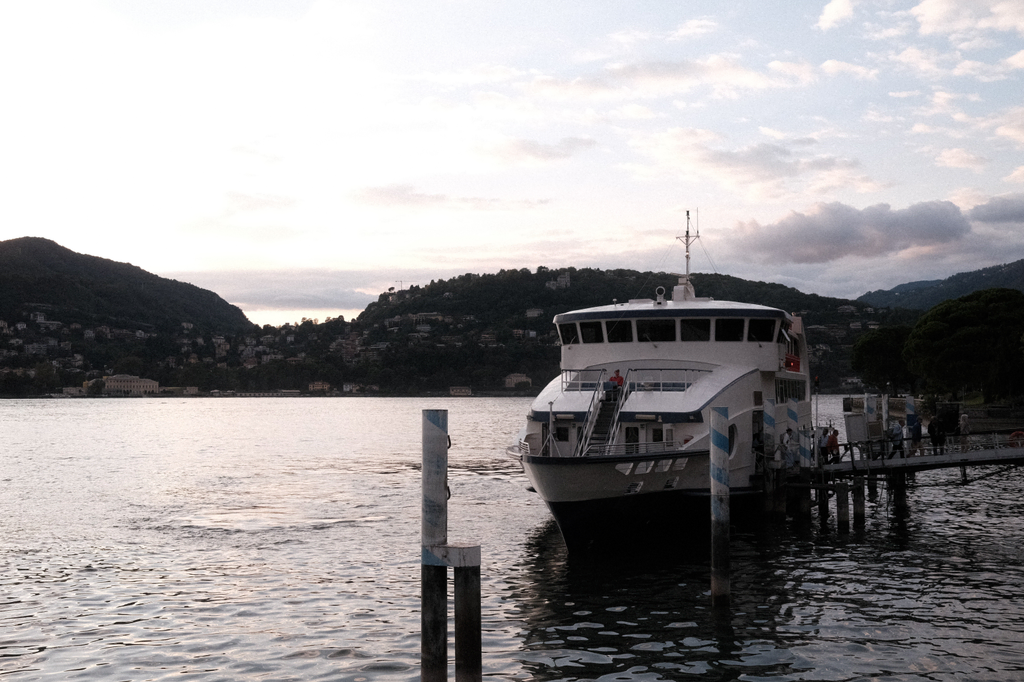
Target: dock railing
x=853, y=451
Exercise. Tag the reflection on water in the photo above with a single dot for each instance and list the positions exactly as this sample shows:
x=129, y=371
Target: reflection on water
x=278, y=539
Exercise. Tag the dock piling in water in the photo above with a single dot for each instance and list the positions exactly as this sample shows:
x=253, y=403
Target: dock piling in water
x=719, y=469
x=843, y=507
x=437, y=554
x=858, y=502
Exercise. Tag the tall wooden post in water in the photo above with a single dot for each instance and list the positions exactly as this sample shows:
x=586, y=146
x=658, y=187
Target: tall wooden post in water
x=434, y=533
x=437, y=555
x=720, y=588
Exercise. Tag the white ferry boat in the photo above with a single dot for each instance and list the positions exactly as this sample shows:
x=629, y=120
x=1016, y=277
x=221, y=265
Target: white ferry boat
x=618, y=462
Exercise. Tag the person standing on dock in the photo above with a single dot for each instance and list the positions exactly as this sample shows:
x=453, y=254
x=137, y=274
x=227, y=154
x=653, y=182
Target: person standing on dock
x=965, y=431
x=833, y=446
x=915, y=437
x=896, y=439
x=933, y=434
x=784, y=446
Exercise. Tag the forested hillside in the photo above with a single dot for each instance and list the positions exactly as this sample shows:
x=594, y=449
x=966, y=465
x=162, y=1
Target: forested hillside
x=925, y=295
x=38, y=275
x=69, y=319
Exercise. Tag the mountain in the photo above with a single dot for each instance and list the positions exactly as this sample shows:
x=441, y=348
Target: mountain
x=38, y=275
x=926, y=294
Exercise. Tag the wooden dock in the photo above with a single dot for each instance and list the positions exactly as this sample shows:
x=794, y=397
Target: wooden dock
x=788, y=490
x=983, y=449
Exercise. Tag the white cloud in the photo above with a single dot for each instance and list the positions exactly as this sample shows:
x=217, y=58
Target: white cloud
x=634, y=112
x=694, y=27
x=829, y=232
x=759, y=171
x=723, y=74
x=1010, y=124
x=517, y=151
x=834, y=13
x=926, y=62
x=834, y=67
x=957, y=18
x=406, y=196
x=1016, y=176
x=960, y=158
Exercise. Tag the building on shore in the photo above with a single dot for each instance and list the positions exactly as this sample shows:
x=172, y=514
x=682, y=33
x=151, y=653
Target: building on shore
x=128, y=385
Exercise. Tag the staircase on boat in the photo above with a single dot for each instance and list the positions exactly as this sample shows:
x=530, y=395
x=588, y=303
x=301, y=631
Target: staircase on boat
x=601, y=435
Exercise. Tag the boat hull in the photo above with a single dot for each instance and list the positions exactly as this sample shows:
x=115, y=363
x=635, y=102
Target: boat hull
x=644, y=499
x=671, y=521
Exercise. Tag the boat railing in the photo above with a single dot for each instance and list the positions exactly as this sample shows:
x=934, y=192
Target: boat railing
x=653, y=379
x=582, y=379
x=591, y=420
x=673, y=379
x=669, y=447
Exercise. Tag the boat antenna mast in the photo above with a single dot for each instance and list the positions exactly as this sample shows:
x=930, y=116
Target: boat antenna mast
x=684, y=290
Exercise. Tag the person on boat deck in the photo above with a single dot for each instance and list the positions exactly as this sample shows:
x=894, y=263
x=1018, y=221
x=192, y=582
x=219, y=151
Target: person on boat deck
x=616, y=379
x=823, y=444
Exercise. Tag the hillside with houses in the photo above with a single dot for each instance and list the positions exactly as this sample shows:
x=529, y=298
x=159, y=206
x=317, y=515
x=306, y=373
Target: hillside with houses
x=468, y=335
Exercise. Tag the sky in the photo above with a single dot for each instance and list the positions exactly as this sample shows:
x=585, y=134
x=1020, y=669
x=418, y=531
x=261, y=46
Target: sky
x=300, y=157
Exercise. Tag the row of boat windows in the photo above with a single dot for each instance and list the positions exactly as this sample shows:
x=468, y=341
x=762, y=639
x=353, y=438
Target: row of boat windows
x=785, y=389
x=656, y=434
x=659, y=330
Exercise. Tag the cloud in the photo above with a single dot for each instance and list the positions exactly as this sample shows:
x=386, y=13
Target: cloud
x=285, y=290
x=835, y=13
x=1011, y=125
x=694, y=27
x=530, y=150
x=1004, y=209
x=1016, y=176
x=833, y=68
x=724, y=74
x=406, y=196
x=956, y=18
x=763, y=170
x=833, y=231
x=960, y=158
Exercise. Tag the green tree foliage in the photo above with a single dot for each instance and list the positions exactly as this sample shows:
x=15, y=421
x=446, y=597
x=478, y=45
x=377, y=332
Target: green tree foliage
x=972, y=342
x=878, y=358
x=74, y=287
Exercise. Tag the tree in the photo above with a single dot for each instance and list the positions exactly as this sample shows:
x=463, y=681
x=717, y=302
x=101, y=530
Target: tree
x=971, y=342
x=878, y=358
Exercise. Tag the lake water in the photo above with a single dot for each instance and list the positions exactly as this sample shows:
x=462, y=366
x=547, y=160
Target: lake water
x=278, y=539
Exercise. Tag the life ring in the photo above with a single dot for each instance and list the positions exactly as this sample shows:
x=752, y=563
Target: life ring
x=1016, y=439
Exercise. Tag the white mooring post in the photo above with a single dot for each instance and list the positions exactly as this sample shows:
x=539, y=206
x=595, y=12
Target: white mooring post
x=437, y=556
x=720, y=589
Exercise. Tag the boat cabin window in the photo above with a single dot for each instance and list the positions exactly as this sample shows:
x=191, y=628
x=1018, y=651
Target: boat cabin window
x=729, y=329
x=657, y=435
x=562, y=433
x=620, y=331
x=656, y=330
x=568, y=333
x=786, y=389
x=694, y=330
x=761, y=330
x=591, y=332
